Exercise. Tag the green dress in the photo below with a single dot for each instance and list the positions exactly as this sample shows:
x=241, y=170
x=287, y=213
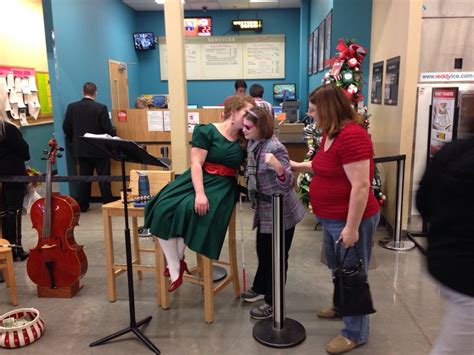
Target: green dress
x=171, y=213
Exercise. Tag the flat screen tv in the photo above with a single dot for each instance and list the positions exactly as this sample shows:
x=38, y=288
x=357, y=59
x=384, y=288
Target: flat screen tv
x=144, y=41
x=284, y=91
x=197, y=26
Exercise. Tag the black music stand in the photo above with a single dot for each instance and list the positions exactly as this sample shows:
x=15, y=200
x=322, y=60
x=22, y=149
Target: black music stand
x=123, y=151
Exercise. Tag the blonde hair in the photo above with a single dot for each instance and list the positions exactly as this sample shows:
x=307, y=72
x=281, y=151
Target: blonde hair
x=236, y=103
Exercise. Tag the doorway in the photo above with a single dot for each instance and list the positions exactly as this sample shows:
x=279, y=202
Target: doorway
x=118, y=84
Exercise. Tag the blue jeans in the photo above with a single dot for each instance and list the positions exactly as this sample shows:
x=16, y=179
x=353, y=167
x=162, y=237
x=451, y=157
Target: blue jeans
x=356, y=328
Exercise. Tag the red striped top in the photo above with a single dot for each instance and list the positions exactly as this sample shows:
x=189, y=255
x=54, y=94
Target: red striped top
x=330, y=188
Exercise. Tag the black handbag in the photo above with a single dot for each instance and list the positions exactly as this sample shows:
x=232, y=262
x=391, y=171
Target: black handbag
x=351, y=289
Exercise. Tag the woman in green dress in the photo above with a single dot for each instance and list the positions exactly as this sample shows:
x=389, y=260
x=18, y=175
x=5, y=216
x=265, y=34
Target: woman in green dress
x=194, y=210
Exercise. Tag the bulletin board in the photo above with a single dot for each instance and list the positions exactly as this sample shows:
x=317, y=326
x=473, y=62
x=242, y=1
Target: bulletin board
x=230, y=57
x=27, y=95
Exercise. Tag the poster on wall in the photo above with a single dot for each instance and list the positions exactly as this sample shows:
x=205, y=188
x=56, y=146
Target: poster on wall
x=44, y=93
x=321, y=47
x=315, y=50
x=310, y=54
x=391, y=81
x=443, y=123
x=327, y=39
x=377, y=79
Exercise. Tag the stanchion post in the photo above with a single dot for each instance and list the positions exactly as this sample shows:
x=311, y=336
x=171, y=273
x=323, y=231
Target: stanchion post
x=278, y=275
x=397, y=243
x=279, y=332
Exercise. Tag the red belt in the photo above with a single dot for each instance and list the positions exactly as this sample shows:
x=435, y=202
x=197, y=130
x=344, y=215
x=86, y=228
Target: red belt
x=219, y=169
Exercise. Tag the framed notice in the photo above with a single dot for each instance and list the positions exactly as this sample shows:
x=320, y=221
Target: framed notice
x=377, y=80
x=321, y=47
x=327, y=39
x=443, y=122
x=391, y=81
x=230, y=57
x=310, y=54
x=315, y=50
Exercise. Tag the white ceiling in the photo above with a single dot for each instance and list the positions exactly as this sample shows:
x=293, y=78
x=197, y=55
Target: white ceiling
x=151, y=5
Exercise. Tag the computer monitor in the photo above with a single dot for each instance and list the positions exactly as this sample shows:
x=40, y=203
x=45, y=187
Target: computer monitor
x=144, y=41
x=291, y=108
x=284, y=91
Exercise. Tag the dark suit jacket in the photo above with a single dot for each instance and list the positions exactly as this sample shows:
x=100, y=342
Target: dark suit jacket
x=86, y=116
x=14, y=151
x=444, y=199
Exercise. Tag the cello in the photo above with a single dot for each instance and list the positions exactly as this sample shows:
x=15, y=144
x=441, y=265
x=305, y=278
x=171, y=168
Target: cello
x=57, y=261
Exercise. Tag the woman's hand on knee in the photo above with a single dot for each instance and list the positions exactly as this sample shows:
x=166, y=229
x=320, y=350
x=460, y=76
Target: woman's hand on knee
x=201, y=204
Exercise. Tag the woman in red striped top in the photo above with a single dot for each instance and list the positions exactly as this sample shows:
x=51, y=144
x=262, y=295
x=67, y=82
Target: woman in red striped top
x=340, y=194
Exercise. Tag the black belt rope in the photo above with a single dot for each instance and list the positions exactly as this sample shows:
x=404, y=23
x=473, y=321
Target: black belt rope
x=42, y=178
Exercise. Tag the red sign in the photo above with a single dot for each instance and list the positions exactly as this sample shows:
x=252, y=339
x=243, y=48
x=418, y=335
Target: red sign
x=122, y=116
x=20, y=72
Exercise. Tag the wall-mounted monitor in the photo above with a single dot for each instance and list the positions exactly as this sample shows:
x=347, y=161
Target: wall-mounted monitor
x=144, y=41
x=197, y=26
x=284, y=91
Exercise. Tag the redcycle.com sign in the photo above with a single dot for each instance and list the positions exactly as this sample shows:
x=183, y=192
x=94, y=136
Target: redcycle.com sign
x=447, y=76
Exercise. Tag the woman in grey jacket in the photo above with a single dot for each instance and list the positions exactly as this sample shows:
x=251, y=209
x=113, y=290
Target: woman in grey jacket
x=268, y=172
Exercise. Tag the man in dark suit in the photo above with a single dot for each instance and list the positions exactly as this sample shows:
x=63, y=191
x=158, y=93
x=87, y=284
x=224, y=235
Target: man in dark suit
x=88, y=116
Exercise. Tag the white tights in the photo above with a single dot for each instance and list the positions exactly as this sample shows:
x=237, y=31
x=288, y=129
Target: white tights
x=173, y=249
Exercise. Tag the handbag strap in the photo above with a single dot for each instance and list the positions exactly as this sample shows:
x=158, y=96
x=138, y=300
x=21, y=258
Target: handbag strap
x=341, y=264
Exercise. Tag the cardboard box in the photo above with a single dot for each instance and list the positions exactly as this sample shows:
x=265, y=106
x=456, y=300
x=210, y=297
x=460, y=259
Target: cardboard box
x=290, y=132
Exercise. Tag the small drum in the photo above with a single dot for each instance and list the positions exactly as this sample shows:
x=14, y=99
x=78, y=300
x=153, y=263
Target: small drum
x=20, y=327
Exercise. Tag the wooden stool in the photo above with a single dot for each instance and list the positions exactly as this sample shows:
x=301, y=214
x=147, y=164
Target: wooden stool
x=6, y=266
x=202, y=275
x=157, y=179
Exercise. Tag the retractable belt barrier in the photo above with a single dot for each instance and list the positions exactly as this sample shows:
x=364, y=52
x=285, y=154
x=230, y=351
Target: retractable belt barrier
x=42, y=178
x=397, y=243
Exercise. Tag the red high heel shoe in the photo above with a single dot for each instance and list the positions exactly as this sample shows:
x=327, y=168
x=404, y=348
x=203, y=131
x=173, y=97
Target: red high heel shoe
x=179, y=281
x=166, y=273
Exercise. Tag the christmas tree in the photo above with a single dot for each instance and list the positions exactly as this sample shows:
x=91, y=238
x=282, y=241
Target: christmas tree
x=346, y=73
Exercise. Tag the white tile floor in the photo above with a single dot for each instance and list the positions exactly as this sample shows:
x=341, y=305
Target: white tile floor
x=407, y=319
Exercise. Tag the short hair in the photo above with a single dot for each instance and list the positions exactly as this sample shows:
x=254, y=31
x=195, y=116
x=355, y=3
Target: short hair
x=89, y=89
x=262, y=119
x=256, y=90
x=334, y=109
x=240, y=84
x=236, y=102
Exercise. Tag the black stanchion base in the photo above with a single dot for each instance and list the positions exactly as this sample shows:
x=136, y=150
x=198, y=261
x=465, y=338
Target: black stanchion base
x=133, y=329
x=413, y=236
x=292, y=334
x=218, y=273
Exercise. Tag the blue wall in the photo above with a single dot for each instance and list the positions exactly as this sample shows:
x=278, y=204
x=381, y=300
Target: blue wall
x=319, y=9
x=213, y=92
x=350, y=19
x=87, y=35
x=37, y=138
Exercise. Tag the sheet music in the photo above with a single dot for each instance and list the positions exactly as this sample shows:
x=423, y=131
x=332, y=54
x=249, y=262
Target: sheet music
x=155, y=121
x=167, y=121
x=32, y=83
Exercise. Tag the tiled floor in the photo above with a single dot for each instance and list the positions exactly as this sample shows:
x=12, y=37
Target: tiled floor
x=407, y=319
